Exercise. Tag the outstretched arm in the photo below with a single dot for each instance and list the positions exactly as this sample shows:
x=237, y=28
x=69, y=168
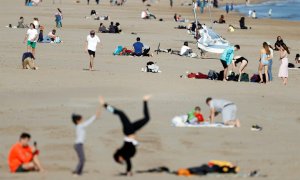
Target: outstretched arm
x=96, y=116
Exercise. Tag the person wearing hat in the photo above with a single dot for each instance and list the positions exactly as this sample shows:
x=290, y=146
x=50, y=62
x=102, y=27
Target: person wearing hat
x=270, y=62
x=80, y=138
x=185, y=49
x=91, y=44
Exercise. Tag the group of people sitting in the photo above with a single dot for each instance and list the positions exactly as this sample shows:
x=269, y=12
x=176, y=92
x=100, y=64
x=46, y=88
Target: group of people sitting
x=50, y=38
x=113, y=28
x=139, y=49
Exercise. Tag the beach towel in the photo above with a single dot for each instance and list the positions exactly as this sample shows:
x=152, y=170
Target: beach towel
x=181, y=121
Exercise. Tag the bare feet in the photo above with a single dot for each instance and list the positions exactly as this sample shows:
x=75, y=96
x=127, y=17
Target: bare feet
x=147, y=97
x=101, y=100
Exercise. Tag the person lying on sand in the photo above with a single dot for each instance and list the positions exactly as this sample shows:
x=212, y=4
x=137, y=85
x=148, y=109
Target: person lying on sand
x=80, y=138
x=128, y=150
x=22, y=157
x=226, y=108
x=195, y=116
x=28, y=61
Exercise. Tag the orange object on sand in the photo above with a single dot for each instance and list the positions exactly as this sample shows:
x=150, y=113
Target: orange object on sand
x=183, y=172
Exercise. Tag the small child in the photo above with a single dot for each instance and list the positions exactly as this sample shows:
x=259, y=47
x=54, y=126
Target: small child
x=297, y=58
x=195, y=116
x=80, y=137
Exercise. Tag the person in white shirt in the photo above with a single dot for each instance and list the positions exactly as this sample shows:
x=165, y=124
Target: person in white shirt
x=91, y=44
x=31, y=37
x=226, y=108
x=80, y=138
x=185, y=49
x=36, y=23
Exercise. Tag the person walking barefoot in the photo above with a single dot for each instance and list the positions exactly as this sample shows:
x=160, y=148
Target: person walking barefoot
x=92, y=41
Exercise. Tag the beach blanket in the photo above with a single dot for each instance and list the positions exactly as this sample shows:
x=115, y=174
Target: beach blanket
x=181, y=121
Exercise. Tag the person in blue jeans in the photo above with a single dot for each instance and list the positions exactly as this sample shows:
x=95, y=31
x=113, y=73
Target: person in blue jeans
x=138, y=47
x=270, y=62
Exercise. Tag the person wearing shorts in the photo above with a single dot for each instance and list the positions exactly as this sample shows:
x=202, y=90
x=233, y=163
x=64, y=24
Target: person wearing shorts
x=226, y=58
x=226, y=108
x=91, y=45
x=28, y=61
x=31, y=37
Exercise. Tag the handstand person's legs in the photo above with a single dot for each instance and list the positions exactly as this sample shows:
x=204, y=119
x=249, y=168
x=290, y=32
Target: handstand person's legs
x=142, y=122
x=127, y=126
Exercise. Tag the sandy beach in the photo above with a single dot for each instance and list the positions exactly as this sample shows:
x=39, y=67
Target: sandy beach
x=41, y=102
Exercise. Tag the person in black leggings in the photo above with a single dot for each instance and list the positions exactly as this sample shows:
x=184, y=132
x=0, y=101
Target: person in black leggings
x=128, y=150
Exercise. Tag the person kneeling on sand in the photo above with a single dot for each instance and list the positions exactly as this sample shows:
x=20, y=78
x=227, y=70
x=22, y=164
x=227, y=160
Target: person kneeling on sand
x=226, y=108
x=28, y=61
x=22, y=157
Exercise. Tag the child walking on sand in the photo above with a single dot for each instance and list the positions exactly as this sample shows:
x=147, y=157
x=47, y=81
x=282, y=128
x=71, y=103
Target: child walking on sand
x=80, y=138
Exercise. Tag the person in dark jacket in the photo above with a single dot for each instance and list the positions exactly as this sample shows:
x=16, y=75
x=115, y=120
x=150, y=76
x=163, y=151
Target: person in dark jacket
x=128, y=150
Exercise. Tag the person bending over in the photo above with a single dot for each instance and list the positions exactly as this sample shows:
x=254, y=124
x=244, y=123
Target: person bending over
x=128, y=150
x=244, y=62
x=226, y=58
x=22, y=157
x=226, y=108
x=28, y=61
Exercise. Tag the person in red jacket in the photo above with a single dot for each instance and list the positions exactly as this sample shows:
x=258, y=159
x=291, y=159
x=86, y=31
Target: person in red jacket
x=195, y=116
x=22, y=157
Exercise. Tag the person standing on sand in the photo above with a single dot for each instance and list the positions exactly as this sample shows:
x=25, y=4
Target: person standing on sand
x=270, y=62
x=284, y=70
x=31, y=37
x=171, y=3
x=80, y=138
x=226, y=108
x=58, y=18
x=265, y=56
x=227, y=8
x=227, y=57
x=128, y=150
x=91, y=44
x=23, y=158
x=88, y=2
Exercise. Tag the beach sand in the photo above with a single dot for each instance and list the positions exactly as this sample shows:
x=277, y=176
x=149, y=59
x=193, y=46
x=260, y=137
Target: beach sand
x=41, y=102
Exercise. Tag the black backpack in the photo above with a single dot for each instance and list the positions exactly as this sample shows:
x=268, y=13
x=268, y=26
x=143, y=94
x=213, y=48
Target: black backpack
x=213, y=75
x=244, y=77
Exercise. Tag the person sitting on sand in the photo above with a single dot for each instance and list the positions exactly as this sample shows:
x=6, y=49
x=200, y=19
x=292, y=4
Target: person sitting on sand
x=128, y=150
x=297, y=59
x=28, y=61
x=36, y=23
x=242, y=23
x=112, y=28
x=226, y=108
x=253, y=15
x=147, y=15
x=41, y=36
x=102, y=29
x=138, y=47
x=21, y=23
x=231, y=28
x=118, y=28
x=221, y=20
x=244, y=62
x=226, y=58
x=80, y=138
x=52, y=35
x=185, y=49
x=195, y=116
x=22, y=157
